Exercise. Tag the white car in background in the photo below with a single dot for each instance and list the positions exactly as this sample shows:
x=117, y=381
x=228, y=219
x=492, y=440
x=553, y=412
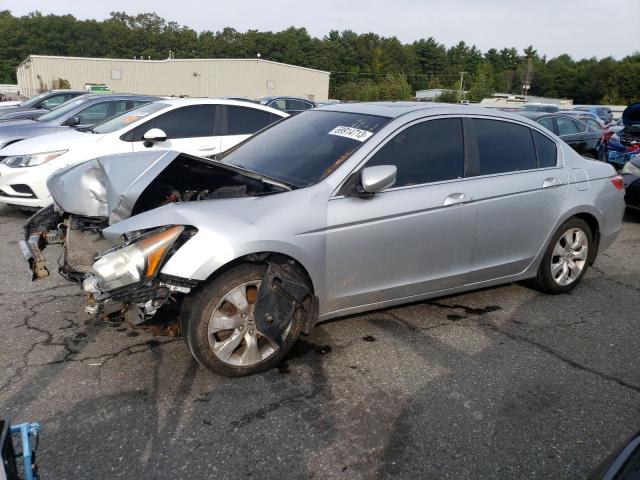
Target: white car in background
x=203, y=127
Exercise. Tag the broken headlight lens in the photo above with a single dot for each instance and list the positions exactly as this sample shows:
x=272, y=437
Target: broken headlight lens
x=33, y=159
x=135, y=262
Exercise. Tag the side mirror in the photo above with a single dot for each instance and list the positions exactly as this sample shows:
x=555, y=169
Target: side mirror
x=154, y=135
x=72, y=121
x=375, y=179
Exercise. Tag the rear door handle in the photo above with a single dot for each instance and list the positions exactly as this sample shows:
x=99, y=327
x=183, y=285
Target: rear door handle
x=551, y=182
x=456, y=199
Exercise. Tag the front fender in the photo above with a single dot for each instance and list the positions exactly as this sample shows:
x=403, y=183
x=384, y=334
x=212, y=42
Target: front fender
x=207, y=251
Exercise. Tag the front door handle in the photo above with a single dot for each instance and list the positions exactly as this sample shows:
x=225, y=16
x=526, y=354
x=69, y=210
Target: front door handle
x=206, y=148
x=456, y=199
x=551, y=182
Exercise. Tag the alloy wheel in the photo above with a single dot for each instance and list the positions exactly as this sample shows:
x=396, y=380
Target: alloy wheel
x=232, y=333
x=569, y=256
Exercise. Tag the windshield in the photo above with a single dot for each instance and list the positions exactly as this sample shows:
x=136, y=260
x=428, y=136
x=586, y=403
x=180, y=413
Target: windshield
x=304, y=149
x=33, y=100
x=128, y=117
x=61, y=110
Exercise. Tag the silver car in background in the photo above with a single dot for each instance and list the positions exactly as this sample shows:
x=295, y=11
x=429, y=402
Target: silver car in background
x=80, y=113
x=338, y=210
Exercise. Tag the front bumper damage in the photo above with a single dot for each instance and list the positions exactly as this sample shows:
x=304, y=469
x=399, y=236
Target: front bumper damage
x=80, y=238
x=283, y=294
x=137, y=303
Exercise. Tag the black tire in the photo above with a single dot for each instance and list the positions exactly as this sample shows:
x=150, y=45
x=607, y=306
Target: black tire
x=195, y=322
x=544, y=280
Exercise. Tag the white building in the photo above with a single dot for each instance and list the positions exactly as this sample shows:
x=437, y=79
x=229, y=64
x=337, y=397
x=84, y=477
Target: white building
x=189, y=77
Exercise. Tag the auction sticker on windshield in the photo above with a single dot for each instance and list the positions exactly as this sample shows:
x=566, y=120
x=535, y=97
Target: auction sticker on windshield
x=352, y=133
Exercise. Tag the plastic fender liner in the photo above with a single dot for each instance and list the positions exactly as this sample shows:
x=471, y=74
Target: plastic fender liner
x=281, y=295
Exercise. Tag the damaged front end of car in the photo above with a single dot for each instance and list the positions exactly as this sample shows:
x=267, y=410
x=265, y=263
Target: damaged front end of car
x=126, y=282
x=121, y=271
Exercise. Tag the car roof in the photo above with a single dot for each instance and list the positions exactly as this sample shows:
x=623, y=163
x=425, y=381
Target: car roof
x=538, y=115
x=219, y=101
x=100, y=96
x=285, y=97
x=64, y=90
x=397, y=109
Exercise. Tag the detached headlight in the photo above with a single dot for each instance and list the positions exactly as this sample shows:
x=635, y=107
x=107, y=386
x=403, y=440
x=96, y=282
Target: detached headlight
x=632, y=169
x=33, y=159
x=135, y=262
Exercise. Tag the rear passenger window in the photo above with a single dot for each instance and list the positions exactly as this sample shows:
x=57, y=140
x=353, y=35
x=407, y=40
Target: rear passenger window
x=546, y=150
x=503, y=147
x=430, y=151
x=566, y=126
x=546, y=123
x=296, y=105
x=246, y=121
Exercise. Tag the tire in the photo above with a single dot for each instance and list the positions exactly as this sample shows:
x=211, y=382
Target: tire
x=240, y=349
x=552, y=268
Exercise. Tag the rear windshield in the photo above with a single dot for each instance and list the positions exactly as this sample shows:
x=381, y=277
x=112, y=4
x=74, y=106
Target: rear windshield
x=304, y=149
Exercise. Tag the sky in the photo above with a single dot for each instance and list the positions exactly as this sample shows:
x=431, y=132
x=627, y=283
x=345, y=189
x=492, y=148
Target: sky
x=581, y=28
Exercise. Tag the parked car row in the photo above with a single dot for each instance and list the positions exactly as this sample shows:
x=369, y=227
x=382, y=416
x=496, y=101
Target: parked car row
x=202, y=127
x=38, y=105
x=250, y=230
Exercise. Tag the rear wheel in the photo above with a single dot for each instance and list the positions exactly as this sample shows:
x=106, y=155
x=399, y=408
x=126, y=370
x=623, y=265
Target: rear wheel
x=220, y=328
x=566, y=259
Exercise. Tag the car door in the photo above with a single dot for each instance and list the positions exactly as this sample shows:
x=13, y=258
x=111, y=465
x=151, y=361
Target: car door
x=188, y=129
x=519, y=190
x=412, y=238
x=239, y=123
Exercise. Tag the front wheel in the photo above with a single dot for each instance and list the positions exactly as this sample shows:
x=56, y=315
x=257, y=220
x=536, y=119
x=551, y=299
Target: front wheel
x=566, y=259
x=221, y=331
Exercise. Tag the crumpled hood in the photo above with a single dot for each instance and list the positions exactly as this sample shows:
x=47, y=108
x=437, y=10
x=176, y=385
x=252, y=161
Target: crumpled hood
x=107, y=186
x=51, y=143
x=631, y=115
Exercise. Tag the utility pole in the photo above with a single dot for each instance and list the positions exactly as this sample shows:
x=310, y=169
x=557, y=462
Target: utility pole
x=461, y=84
x=528, y=74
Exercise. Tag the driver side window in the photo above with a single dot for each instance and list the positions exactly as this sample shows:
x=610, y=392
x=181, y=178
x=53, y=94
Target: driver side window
x=187, y=122
x=431, y=151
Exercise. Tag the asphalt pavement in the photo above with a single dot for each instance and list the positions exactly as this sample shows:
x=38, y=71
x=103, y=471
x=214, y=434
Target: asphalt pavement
x=501, y=383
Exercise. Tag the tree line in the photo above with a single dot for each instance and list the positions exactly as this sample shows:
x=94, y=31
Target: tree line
x=363, y=66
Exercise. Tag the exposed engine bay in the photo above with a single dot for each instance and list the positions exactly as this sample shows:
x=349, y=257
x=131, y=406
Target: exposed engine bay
x=77, y=219
x=188, y=179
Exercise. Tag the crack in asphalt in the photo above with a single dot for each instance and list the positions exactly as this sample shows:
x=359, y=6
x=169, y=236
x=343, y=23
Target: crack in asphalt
x=565, y=359
x=545, y=348
x=67, y=343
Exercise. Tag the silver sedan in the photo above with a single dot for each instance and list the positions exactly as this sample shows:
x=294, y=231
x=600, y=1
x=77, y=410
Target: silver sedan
x=342, y=209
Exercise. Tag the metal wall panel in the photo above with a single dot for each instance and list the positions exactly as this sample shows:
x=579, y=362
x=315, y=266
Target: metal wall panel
x=198, y=77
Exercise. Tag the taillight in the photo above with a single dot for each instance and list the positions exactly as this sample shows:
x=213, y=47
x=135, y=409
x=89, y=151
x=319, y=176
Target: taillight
x=617, y=182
